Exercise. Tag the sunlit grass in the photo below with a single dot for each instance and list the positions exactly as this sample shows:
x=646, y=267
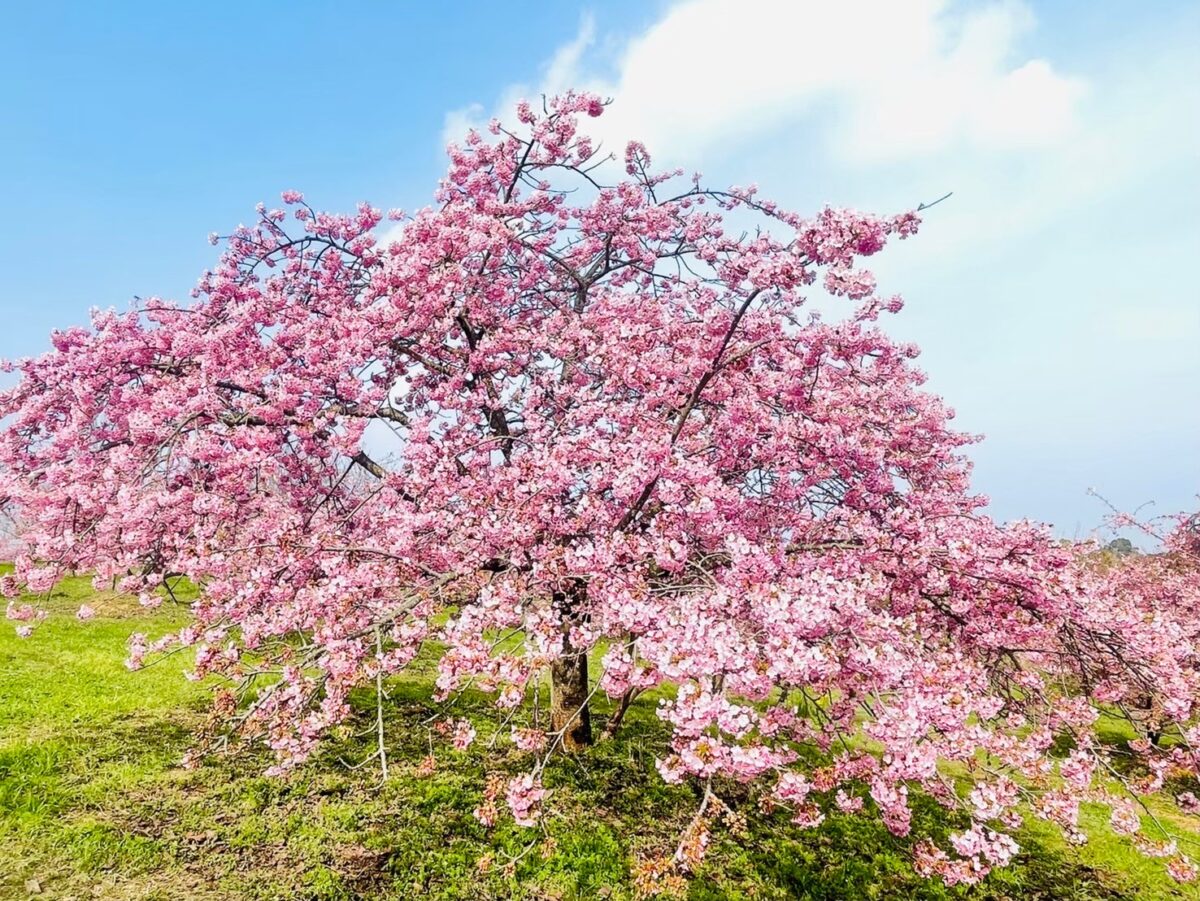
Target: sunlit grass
x=93, y=803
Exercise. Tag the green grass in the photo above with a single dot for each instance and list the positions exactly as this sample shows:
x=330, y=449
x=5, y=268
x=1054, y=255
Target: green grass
x=94, y=804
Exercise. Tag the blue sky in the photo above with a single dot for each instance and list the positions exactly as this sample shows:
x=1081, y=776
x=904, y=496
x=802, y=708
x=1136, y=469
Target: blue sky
x=1054, y=294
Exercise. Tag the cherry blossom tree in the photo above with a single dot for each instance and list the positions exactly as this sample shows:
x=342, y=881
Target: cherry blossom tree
x=568, y=414
x=1150, y=604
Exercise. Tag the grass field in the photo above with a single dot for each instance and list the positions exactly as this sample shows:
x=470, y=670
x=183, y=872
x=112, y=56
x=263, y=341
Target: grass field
x=93, y=804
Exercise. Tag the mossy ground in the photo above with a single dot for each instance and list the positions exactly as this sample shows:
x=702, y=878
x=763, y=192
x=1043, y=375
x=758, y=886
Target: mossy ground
x=94, y=804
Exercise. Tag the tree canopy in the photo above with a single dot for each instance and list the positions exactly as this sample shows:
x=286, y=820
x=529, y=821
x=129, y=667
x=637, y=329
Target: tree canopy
x=568, y=410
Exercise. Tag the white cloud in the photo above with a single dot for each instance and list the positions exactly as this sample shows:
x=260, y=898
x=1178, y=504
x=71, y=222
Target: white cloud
x=898, y=79
x=564, y=66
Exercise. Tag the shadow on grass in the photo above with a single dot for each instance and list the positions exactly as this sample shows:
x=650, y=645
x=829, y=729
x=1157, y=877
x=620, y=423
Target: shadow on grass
x=104, y=803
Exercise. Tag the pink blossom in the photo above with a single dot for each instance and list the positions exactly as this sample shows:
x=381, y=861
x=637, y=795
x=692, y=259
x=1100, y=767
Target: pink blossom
x=1125, y=819
x=616, y=421
x=529, y=739
x=524, y=797
x=464, y=734
x=1181, y=869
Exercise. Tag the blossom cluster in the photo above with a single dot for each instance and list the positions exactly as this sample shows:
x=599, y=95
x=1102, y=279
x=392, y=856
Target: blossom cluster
x=562, y=409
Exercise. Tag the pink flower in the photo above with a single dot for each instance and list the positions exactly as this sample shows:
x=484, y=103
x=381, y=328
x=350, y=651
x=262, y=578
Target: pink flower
x=1181, y=869
x=529, y=739
x=792, y=787
x=137, y=651
x=524, y=797
x=23, y=613
x=1124, y=819
x=464, y=734
x=847, y=803
x=1077, y=769
x=619, y=423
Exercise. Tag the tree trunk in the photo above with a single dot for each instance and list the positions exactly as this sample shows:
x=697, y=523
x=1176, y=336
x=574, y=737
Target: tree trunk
x=569, y=699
